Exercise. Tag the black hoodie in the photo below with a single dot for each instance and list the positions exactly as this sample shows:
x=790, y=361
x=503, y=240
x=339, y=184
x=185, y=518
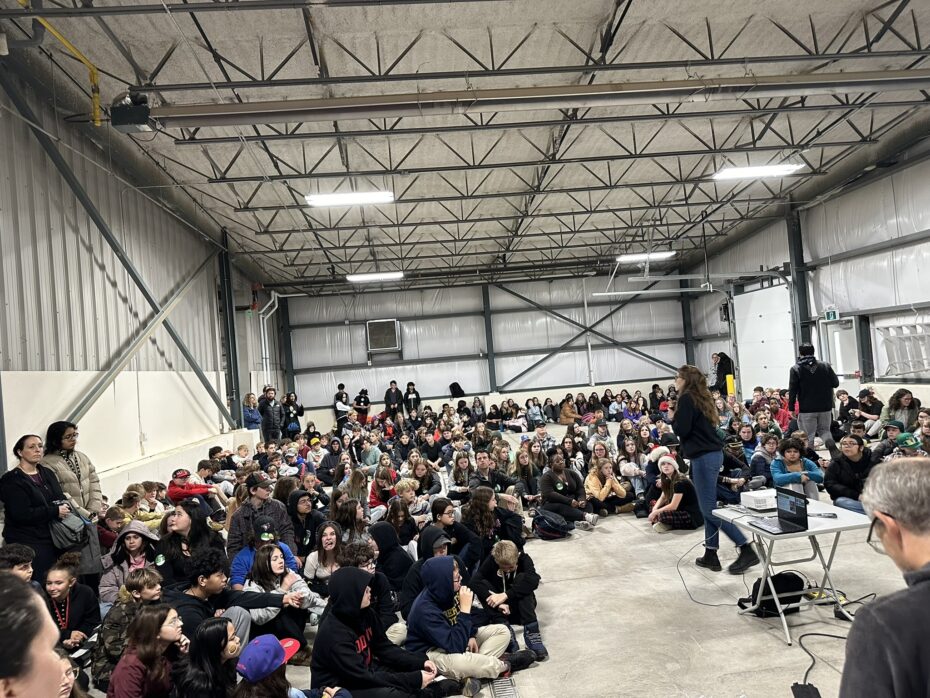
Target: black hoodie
x=194, y=611
x=393, y=560
x=351, y=649
x=304, y=530
x=811, y=383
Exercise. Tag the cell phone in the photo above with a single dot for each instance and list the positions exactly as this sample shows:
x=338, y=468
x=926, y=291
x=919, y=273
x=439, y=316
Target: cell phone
x=825, y=515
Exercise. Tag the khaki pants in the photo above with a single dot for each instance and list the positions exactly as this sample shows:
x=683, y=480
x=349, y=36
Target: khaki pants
x=397, y=633
x=483, y=664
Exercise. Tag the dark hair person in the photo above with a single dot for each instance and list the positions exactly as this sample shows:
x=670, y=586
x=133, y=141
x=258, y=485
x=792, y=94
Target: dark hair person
x=30, y=667
x=695, y=421
x=154, y=641
x=208, y=669
x=32, y=499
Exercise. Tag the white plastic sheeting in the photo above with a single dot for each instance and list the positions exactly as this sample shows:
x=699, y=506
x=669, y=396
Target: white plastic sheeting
x=880, y=280
x=902, y=345
x=376, y=306
x=566, y=291
x=766, y=249
x=431, y=380
x=609, y=364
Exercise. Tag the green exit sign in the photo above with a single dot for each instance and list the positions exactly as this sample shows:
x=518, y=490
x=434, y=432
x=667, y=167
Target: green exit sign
x=831, y=315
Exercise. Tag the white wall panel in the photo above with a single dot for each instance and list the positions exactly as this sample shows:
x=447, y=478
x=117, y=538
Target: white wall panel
x=911, y=194
x=911, y=266
x=705, y=314
x=329, y=346
x=374, y=306
x=517, y=331
x=767, y=248
x=425, y=339
x=850, y=284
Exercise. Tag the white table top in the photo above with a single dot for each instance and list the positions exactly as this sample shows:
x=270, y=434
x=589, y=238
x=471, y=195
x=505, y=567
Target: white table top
x=845, y=520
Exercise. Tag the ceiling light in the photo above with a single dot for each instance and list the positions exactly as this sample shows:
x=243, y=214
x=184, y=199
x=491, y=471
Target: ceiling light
x=646, y=256
x=758, y=171
x=375, y=276
x=351, y=198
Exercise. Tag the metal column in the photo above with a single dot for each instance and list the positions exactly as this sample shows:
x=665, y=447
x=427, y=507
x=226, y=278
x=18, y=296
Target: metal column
x=798, y=287
x=284, y=342
x=864, y=345
x=230, y=343
x=686, y=324
x=67, y=174
x=489, y=338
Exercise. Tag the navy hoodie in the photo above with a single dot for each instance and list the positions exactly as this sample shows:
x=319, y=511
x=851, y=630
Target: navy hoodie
x=435, y=619
x=351, y=649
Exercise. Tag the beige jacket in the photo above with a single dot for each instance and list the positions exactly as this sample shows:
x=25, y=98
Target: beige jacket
x=84, y=495
x=594, y=488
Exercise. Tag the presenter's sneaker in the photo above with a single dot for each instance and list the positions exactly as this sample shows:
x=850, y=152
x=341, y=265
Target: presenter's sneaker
x=533, y=640
x=660, y=527
x=747, y=558
x=710, y=561
x=518, y=661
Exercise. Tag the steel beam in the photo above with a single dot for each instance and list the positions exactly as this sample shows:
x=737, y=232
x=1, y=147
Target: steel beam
x=686, y=323
x=230, y=338
x=284, y=341
x=489, y=338
x=588, y=329
x=798, y=286
x=695, y=66
x=864, y=348
x=100, y=386
x=67, y=174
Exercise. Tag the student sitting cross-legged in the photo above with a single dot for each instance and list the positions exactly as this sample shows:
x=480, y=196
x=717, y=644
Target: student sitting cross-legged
x=677, y=506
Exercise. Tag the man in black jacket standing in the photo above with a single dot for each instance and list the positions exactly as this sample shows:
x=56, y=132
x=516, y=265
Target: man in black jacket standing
x=811, y=383
x=888, y=645
x=393, y=399
x=272, y=413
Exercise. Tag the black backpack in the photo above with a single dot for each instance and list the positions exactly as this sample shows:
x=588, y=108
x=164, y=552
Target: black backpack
x=551, y=526
x=788, y=585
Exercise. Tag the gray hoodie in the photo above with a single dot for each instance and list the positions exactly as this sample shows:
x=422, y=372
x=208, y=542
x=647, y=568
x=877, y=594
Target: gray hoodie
x=115, y=573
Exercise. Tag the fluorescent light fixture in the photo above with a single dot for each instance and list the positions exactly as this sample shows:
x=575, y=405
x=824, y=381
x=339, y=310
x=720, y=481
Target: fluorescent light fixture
x=651, y=292
x=646, y=256
x=351, y=198
x=758, y=172
x=375, y=276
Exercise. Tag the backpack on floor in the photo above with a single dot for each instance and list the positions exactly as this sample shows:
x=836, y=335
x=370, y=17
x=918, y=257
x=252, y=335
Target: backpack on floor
x=788, y=585
x=550, y=526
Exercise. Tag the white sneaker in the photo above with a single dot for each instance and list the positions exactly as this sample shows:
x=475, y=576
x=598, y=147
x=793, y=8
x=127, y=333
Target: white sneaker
x=660, y=527
x=591, y=519
x=583, y=525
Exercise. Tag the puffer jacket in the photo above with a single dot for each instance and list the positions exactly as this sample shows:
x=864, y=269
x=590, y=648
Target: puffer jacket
x=114, y=574
x=84, y=492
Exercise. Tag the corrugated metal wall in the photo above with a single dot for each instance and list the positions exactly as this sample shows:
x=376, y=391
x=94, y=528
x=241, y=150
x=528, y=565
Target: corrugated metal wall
x=68, y=303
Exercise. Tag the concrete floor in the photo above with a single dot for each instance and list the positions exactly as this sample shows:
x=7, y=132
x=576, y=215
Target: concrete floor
x=618, y=622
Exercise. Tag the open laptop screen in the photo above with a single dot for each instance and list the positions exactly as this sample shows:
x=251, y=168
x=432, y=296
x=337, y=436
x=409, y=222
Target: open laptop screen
x=792, y=507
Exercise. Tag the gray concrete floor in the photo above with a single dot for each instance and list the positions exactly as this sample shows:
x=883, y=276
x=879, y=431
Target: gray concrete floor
x=617, y=619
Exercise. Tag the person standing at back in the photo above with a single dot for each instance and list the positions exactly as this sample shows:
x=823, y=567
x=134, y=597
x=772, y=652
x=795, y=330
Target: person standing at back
x=694, y=421
x=272, y=415
x=393, y=400
x=811, y=383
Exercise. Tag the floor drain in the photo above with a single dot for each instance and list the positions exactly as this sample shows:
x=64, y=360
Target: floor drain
x=504, y=688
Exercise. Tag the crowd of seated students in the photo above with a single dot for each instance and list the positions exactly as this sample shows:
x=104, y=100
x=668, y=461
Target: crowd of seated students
x=397, y=536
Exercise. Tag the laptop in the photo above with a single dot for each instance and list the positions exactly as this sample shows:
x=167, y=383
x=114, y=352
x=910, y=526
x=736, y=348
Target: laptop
x=792, y=513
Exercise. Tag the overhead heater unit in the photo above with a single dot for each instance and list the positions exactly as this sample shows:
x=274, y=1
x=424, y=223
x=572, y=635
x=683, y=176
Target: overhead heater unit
x=383, y=336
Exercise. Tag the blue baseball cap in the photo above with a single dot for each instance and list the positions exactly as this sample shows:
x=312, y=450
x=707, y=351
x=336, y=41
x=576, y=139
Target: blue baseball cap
x=263, y=655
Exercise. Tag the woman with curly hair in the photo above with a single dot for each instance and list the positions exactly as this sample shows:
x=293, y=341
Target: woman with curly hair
x=695, y=422
x=491, y=523
x=903, y=407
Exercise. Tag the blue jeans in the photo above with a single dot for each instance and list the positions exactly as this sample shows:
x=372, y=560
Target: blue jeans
x=704, y=471
x=849, y=503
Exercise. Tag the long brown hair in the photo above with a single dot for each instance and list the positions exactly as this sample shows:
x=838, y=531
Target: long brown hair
x=261, y=572
x=477, y=512
x=695, y=385
x=668, y=484
x=142, y=637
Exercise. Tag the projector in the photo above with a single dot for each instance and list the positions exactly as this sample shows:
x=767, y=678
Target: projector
x=758, y=500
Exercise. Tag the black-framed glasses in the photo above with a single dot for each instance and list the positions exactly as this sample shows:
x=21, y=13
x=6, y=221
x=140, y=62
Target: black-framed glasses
x=874, y=540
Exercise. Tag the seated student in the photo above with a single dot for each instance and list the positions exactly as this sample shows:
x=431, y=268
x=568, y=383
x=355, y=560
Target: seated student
x=306, y=521
x=631, y=464
x=429, y=484
x=207, y=595
x=761, y=463
x=134, y=549
x=677, y=506
x=809, y=452
x=362, y=555
x=882, y=449
x=263, y=532
x=563, y=492
x=847, y=474
x=791, y=470
x=259, y=503
x=262, y=665
x=857, y=427
x=434, y=542
x=463, y=541
x=350, y=515
x=462, y=472
x=181, y=488
x=908, y=446
x=490, y=524
x=526, y=470
x=155, y=640
x=208, y=670
x=109, y=525
x=405, y=526
x=73, y=606
x=130, y=503
x=382, y=490
x=418, y=508
x=393, y=561
x=749, y=440
x=496, y=479
x=16, y=559
x=186, y=533
x=440, y=624
x=351, y=649
x=322, y=562
x=603, y=489
x=506, y=584
x=142, y=586
x=270, y=574
x=72, y=679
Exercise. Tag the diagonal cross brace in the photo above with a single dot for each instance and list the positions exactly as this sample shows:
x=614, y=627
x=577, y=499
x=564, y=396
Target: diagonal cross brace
x=625, y=346
x=67, y=174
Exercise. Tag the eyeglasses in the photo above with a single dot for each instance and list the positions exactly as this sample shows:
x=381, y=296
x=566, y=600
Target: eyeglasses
x=450, y=512
x=370, y=565
x=174, y=622
x=874, y=540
